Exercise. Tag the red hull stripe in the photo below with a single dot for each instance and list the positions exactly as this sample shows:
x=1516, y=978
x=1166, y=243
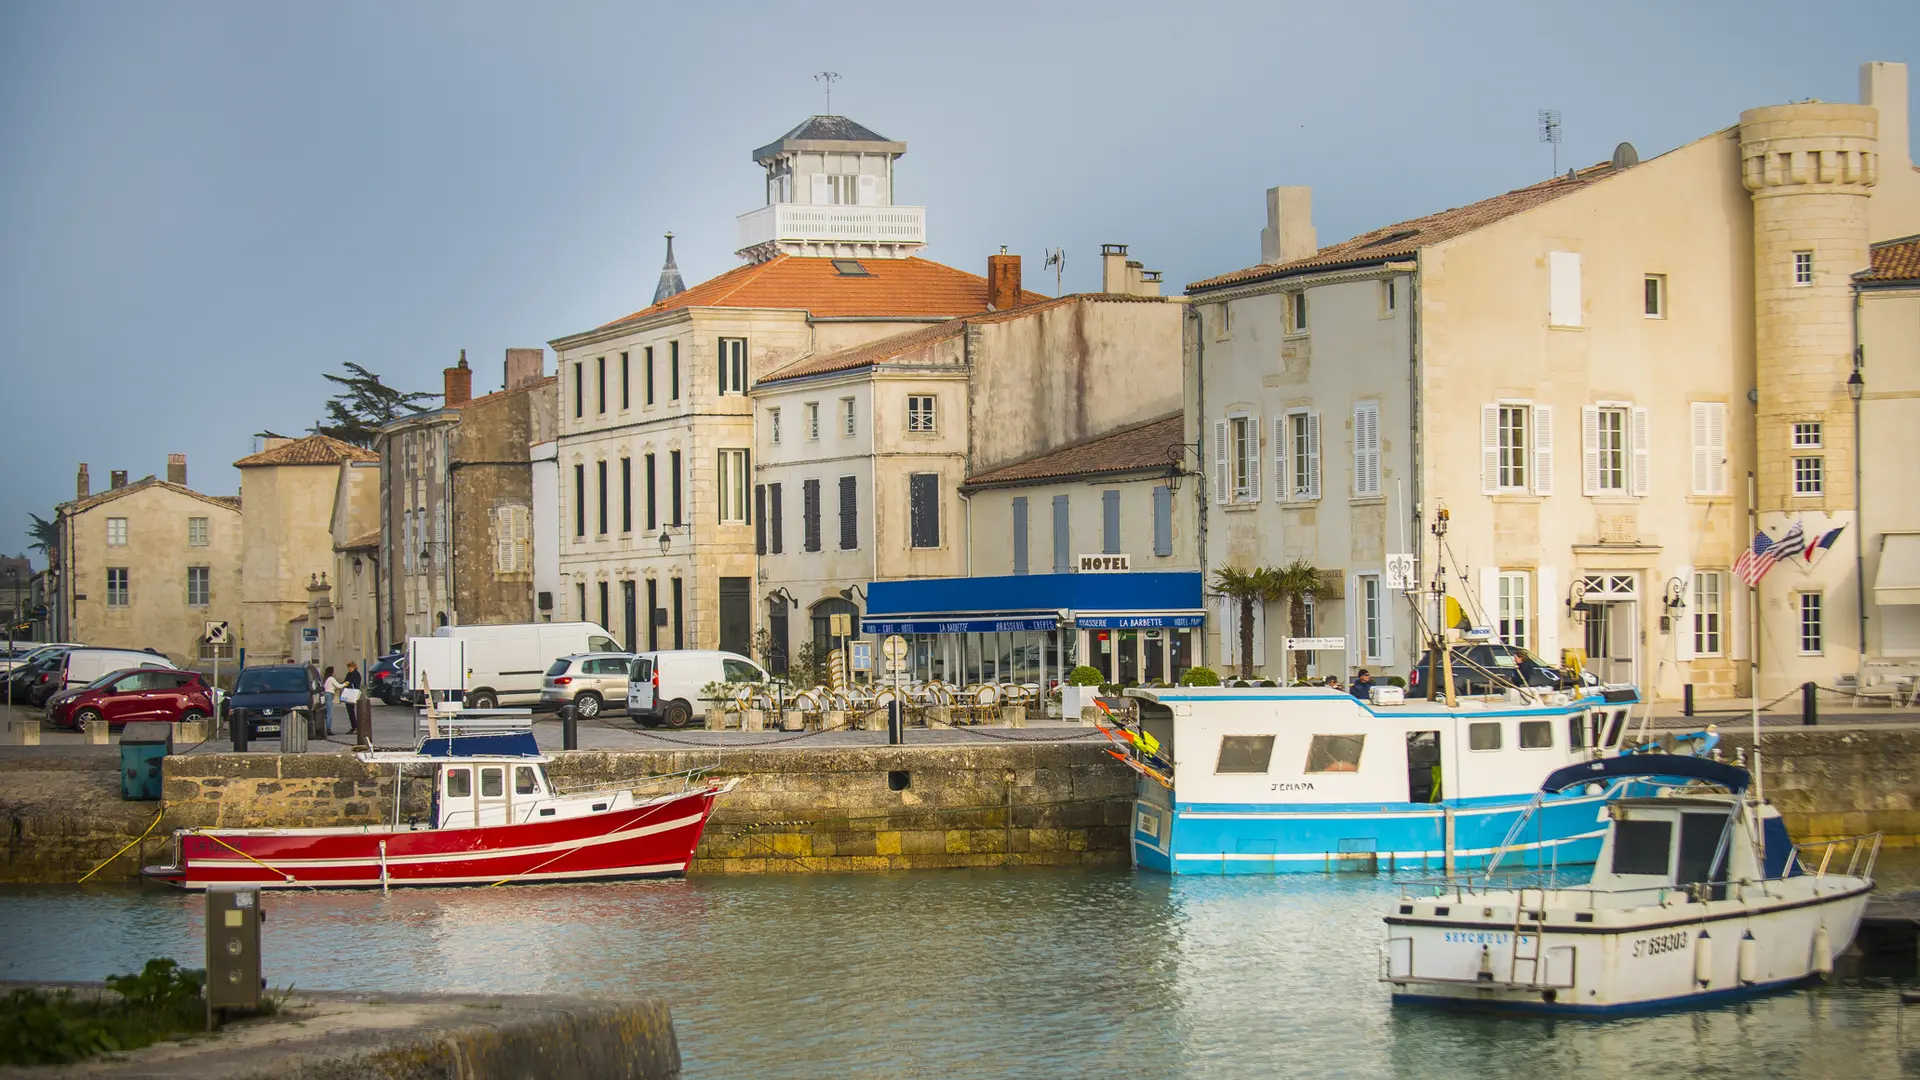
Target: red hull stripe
x=265, y=882
x=294, y=863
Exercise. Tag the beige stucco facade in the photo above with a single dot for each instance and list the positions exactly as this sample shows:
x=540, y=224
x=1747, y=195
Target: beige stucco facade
x=288, y=491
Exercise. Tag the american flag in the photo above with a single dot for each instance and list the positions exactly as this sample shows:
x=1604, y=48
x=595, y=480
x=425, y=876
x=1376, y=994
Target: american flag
x=1759, y=558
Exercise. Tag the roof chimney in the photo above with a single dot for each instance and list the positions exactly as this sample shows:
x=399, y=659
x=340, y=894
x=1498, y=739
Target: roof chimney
x=1884, y=86
x=116, y=479
x=83, y=486
x=1289, y=233
x=177, y=469
x=1113, y=268
x=459, y=383
x=1003, y=280
x=525, y=366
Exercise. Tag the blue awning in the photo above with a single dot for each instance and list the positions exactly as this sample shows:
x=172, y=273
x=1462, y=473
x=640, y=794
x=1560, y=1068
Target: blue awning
x=1034, y=602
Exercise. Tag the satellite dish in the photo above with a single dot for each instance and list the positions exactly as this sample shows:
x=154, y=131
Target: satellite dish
x=1625, y=156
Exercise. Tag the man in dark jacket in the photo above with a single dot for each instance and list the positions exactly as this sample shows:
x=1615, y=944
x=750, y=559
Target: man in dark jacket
x=1362, y=687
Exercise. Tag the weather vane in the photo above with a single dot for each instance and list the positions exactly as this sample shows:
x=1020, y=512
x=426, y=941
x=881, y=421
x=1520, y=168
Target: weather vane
x=829, y=78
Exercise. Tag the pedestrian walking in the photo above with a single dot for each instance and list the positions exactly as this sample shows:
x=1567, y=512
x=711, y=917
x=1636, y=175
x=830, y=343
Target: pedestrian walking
x=330, y=688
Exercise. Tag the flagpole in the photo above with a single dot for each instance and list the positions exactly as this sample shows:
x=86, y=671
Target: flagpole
x=1753, y=638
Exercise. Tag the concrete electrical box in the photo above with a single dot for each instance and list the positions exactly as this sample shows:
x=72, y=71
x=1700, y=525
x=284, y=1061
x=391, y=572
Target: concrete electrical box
x=233, y=947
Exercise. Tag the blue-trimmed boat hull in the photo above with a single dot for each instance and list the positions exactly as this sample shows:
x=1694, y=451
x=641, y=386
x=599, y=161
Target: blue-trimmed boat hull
x=1702, y=1000
x=1566, y=830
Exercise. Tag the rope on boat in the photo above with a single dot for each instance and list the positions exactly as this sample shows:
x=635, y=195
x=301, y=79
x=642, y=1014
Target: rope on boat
x=291, y=880
x=122, y=851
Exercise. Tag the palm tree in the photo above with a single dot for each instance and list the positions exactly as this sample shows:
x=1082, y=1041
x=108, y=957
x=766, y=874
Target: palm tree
x=1247, y=588
x=45, y=534
x=1297, y=582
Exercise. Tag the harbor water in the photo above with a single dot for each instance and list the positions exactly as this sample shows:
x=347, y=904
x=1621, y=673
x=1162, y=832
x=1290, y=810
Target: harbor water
x=1014, y=973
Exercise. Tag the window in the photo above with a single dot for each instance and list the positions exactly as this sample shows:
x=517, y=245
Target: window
x=810, y=515
x=1484, y=735
x=1019, y=510
x=1642, y=847
x=1236, y=459
x=647, y=360
x=849, y=514
x=1062, y=535
x=580, y=601
x=653, y=495
x=920, y=413
x=1244, y=754
x=116, y=532
x=1708, y=609
x=1563, y=288
x=1808, y=436
x=1803, y=268
x=847, y=425
x=774, y=519
x=1366, y=449
x=1656, y=296
x=1614, y=450
x=850, y=268
x=923, y=509
x=196, y=532
x=600, y=472
x=579, y=502
x=600, y=377
x=199, y=586
x=492, y=783
x=673, y=371
x=1536, y=734
x=1513, y=464
x=733, y=365
x=579, y=390
x=673, y=490
x=626, y=494
x=1162, y=521
x=525, y=781
x=813, y=421
x=1222, y=322
x=1389, y=298
x=1370, y=617
x=1303, y=443
x=1809, y=475
x=1577, y=731
x=606, y=608
x=626, y=383
x=1297, y=313
x=1709, y=421
x=117, y=587
x=513, y=539
x=1515, y=603
x=773, y=426
x=759, y=519
x=1812, y=628
x=459, y=783
x=733, y=486
x=1334, y=753
x=1110, y=522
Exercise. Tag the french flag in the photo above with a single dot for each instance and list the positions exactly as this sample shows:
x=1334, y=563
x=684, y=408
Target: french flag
x=1822, y=542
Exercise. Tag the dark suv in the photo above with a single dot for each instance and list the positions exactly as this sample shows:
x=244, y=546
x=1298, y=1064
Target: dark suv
x=1488, y=668
x=387, y=679
x=265, y=697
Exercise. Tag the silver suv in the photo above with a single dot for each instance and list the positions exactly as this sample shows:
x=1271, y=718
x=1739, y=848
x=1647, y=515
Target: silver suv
x=593, y=682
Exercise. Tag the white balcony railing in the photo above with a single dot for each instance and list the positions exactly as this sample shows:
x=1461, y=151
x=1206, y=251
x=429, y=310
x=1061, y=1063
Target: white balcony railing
x=793, y=222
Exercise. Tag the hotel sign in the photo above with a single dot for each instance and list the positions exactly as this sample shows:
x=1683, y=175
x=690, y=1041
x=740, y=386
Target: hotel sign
x=1106, y=564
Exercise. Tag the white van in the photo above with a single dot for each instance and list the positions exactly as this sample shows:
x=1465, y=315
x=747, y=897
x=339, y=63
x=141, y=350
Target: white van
x=664, y=687
x=82, y=666
x=507, y=664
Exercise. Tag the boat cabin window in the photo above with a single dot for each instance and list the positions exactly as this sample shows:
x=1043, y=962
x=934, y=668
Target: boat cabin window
x=1335, y=753
x=525, y=780
x=492, y=783
x=459, y=783
x=1700, y=836
x=1244, y=754
x=1576, y=732
x=1536, y=734
x=1484, y=735
x=1618, y=722
x=1642, y=847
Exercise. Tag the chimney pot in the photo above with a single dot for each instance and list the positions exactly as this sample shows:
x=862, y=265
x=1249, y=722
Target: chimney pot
x=116, y=479
x=525, y=367
x=1003, y=281
x=83, y=486
x=1289, y=234
x=177, y=469
x=1114, y=277
x=459, y=382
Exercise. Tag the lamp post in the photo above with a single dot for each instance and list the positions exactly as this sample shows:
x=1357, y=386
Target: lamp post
x=1857, y=388
x=13, y=614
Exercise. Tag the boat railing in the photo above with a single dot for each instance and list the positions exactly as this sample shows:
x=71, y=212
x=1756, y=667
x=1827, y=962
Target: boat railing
x=1862, y=852
x=1477, y=887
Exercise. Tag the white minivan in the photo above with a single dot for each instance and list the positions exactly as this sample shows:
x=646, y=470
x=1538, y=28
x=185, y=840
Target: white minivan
x=664, y=687
x=507, y=663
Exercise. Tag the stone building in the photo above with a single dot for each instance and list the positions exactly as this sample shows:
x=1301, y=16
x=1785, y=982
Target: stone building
x=456, y=496
x=1583, y=372
x=147, y=564
x=352, y=629
x=1887, y=546
x=288, y=490
x=656, y=434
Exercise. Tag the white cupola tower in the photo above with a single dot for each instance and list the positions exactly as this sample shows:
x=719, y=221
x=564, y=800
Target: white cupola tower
x=830, y=195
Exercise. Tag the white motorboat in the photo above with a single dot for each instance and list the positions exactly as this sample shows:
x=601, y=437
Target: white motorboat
x=1699, y=896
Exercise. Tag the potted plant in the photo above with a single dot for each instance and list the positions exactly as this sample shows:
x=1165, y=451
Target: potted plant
x=1199, y=676
x=1083, y=686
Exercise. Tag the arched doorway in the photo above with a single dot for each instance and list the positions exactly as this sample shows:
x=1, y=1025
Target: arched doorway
x=825, y=641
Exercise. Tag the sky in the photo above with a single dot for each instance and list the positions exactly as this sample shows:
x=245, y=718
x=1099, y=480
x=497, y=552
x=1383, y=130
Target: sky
x=206, y=205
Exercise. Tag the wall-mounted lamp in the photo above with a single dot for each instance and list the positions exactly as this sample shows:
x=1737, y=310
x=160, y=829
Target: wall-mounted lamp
x=1856, y=385
x=850, y=590
x=1177, y=463
x=781, y=593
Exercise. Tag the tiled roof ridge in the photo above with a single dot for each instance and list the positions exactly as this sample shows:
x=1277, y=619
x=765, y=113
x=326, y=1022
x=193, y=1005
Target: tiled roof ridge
x=1149, y=454
x=1895, y=260
x=76, y=506
x=332, y=451
x=370, y=538
x=492, y=395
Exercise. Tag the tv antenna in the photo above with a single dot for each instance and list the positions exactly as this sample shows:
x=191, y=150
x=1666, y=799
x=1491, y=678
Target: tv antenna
x=1550, y=133
x=1056, y=258
x=829, y=78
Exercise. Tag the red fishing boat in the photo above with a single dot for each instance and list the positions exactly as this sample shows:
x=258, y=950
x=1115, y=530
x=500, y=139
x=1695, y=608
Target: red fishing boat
x=495, y=819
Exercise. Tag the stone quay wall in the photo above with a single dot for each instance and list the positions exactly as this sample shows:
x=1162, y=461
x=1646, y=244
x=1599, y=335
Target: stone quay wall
x=1830, y=783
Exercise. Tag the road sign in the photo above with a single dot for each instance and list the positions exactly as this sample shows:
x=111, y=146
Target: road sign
x=894, y=648
x=840, y=625
x=863, y=656
x=1316, y=644
x=896, y=665
x=218, y=633
x=1400, y=573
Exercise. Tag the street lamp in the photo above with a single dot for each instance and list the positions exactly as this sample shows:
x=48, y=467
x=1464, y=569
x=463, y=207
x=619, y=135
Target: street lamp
x=1856, y=385
x=1176, y=463
x=13, y=614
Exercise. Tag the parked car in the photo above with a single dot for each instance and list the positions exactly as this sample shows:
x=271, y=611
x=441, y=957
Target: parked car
x=78, y=667
x=665, y=687
x=387, y=679
x=132, y=694
x=593, y=682
x=265, y=697
x=39, y=660
x=507, y=663
x=1490, y=668
x=16, y=653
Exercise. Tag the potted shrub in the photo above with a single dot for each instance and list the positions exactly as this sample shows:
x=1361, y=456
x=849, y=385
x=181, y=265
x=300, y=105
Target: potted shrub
x=1083, y=685
x=1199, y=676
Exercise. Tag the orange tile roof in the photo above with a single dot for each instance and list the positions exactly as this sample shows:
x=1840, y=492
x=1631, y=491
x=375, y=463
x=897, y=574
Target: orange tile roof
x=1407, y=237
x=1140, y=446
x=312, y=450
x=370, y=540
x=887, y=348
x=1894, y=260
x=78, y=506
x=891, y=288
x=547, y=380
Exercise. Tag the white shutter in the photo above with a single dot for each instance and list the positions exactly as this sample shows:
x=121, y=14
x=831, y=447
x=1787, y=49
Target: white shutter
x=1489, y=589
x=1590, y=449
x=869, y=191
x=1682, y=629
x=1642, y=453
x=1369, y=479
x=1222, y=470
x=820, y=196
x=1229, y=633
x=1313, y=455
x=1548, y=611
x=1252, y=463
x=1543, y=449
x=1563, y=288
x=1282, y=483
x=1702, y=463
x=1489, y=449
x=1710, y=447
x=502, y=539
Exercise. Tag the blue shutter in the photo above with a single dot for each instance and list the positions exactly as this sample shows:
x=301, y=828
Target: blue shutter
x=1110, y=523
x=1062, y=560
x=1163, y=521
x=1020, y=535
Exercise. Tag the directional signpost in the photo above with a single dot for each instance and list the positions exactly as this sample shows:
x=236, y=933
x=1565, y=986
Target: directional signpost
x=219, y=635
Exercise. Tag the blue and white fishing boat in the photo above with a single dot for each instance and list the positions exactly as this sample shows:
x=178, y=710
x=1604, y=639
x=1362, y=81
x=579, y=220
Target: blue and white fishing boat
x=1286, y=780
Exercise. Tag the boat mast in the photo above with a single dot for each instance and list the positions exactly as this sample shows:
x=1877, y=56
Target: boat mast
x=1753, y=641
x=1439, y=653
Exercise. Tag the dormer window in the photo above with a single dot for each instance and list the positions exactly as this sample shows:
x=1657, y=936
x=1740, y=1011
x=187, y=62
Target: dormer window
x=850, y=268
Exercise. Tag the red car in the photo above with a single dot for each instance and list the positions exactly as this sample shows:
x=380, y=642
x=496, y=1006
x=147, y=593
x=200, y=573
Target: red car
x=136, y=694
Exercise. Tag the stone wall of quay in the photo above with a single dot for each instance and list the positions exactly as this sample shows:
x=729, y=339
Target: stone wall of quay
x=1831, y=783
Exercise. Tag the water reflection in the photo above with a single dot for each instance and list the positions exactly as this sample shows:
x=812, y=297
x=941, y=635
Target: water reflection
x=969, y=973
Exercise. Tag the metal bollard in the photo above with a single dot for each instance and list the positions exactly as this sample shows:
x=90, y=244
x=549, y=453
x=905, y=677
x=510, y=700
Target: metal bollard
x=1686, y=699
x=896, y=724
x=1809, y=708
x=239, y=722
x=363, y=720
x=569, y=727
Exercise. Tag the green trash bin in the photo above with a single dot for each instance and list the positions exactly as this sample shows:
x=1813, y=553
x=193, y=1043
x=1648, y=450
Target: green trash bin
x=142, y=746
